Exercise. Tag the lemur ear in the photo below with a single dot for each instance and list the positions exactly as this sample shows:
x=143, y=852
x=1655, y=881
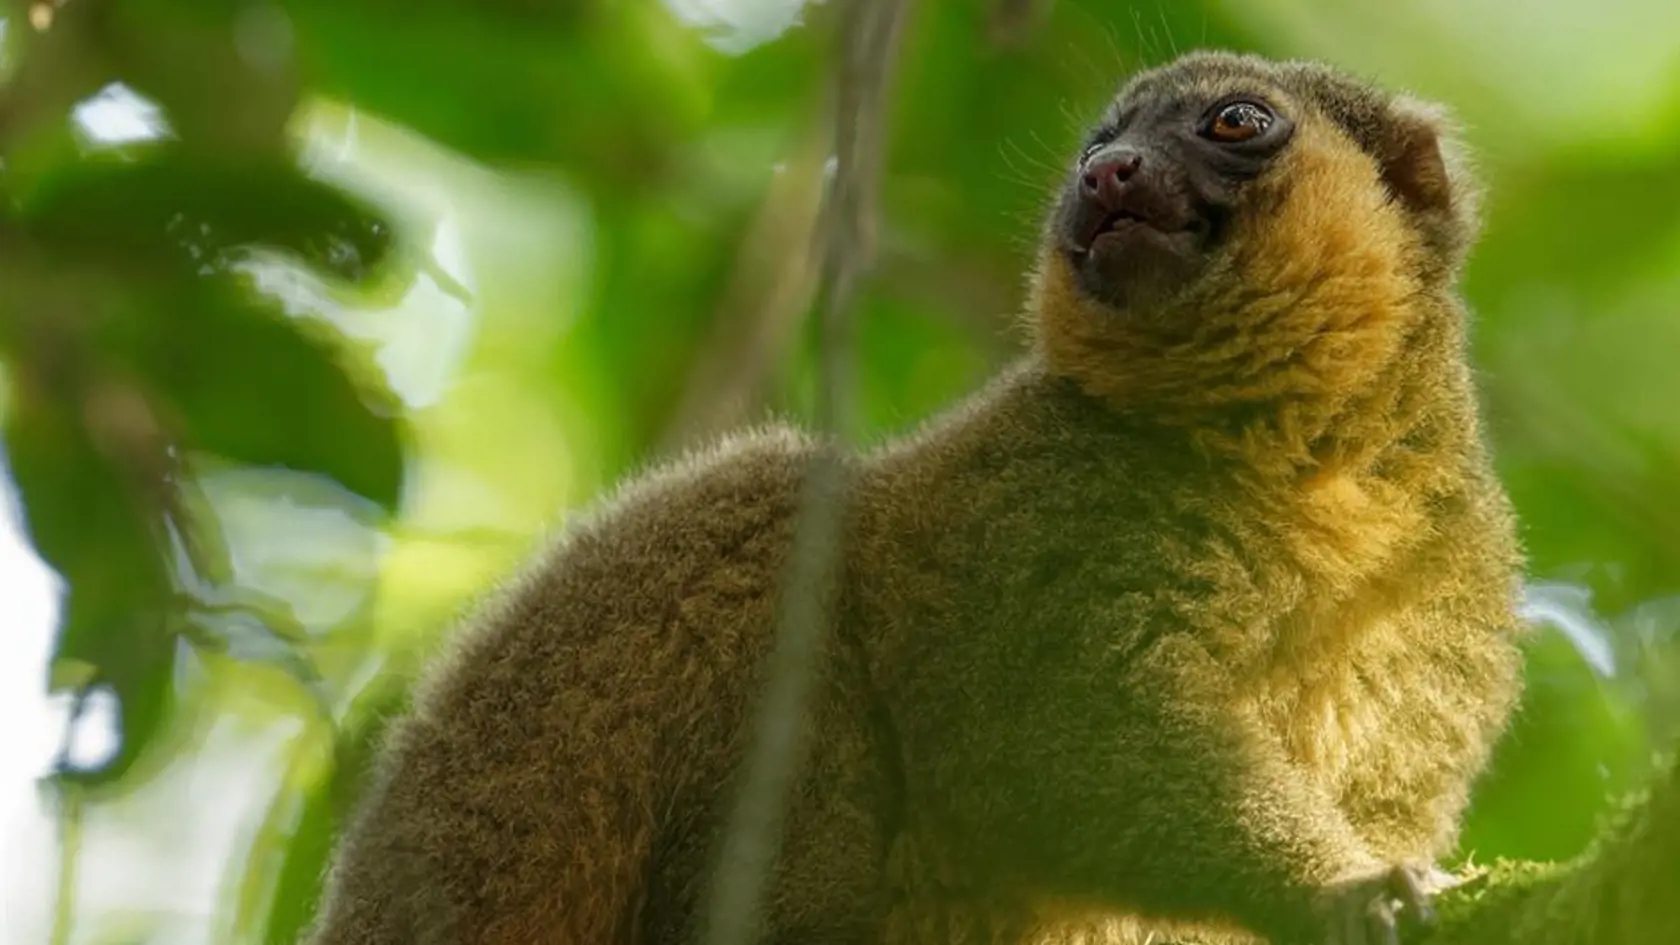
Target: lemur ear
x=1426, y=167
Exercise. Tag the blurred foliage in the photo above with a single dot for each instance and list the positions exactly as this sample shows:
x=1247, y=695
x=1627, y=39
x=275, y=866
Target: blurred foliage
x=300, y=369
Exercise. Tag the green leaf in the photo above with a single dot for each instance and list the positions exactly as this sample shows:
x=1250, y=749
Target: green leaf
x=607, y=90
x=98, y=523
x=158, y=200
x=246, y=383
x=150, y=238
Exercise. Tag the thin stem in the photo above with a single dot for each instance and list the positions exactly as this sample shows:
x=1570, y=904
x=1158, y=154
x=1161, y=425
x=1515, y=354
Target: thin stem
x=869, y=41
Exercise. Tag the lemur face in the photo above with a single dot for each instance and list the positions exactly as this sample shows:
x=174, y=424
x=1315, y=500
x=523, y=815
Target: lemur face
x=1156, y=185
x=1193, y=150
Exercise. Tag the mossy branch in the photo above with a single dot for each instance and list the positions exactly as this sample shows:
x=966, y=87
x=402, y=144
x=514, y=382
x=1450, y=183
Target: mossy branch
x=1625, y=890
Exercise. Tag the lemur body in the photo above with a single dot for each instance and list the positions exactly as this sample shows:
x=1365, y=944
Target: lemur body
x=1202, y=612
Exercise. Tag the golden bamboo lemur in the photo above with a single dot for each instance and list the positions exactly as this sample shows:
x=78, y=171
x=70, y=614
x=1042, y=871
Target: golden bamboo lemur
x=1201, y=612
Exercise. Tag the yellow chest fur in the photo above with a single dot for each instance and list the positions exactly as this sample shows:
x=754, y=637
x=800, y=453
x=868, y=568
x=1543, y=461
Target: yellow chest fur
x=1318, y=681
x=1344, y=529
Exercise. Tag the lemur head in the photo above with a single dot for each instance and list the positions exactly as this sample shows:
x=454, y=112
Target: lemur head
x=1236, y=229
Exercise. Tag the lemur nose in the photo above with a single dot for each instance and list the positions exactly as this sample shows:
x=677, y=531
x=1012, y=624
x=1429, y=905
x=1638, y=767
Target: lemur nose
x=1106, y=173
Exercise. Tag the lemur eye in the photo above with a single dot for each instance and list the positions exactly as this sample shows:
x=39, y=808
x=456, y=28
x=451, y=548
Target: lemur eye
x=1236, y=122
x=1097, y=143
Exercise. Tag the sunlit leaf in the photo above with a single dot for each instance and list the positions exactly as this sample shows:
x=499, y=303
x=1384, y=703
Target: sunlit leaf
x=248, y=638
x=326, y=808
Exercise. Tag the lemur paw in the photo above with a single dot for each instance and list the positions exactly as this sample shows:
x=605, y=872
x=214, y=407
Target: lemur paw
x=1374, y=910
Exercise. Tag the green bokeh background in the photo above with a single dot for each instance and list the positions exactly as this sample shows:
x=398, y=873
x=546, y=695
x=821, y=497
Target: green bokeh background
x=591, y=198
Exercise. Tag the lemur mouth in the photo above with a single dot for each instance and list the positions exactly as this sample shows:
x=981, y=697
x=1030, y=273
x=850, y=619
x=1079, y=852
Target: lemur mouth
x=1112, y=223
x=1119, y=224
x=1141, y=217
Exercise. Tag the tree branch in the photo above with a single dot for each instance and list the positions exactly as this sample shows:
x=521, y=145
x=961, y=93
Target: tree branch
x=1625, y=890
x=868, y=44
x=772, y=286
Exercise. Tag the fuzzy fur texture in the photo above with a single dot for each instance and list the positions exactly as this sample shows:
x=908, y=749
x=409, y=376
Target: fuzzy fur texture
x=1194, y=615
